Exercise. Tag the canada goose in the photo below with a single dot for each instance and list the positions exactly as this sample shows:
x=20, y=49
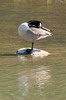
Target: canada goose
x=32, y=31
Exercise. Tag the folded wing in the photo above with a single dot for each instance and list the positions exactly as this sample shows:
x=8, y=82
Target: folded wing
x=38, y=33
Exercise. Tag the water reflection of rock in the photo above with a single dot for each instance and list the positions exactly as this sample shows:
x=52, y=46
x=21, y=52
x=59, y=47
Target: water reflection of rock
x=35, y=80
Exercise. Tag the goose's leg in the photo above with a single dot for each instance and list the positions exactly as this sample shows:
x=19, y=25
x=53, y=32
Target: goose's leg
x=29, y=51
x=32, y=45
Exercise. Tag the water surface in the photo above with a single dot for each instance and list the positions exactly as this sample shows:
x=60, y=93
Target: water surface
x=29, y=78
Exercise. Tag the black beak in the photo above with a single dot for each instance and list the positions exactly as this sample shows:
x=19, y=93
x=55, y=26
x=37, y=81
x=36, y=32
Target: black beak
x=46, y=29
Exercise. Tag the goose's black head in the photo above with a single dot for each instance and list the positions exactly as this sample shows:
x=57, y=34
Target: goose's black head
x=34, y=23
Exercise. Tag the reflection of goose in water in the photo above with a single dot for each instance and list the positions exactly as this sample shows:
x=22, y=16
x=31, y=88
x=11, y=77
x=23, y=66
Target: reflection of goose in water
x=32, y=31
x=38, y=78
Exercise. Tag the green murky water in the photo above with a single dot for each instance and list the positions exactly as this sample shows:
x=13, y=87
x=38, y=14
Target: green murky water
x=29, y=78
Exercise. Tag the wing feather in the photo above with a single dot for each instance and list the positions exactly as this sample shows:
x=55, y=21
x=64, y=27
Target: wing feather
x=38, y=33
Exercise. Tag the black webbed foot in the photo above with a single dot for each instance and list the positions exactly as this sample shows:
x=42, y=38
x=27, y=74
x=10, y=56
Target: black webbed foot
x=28, y=51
